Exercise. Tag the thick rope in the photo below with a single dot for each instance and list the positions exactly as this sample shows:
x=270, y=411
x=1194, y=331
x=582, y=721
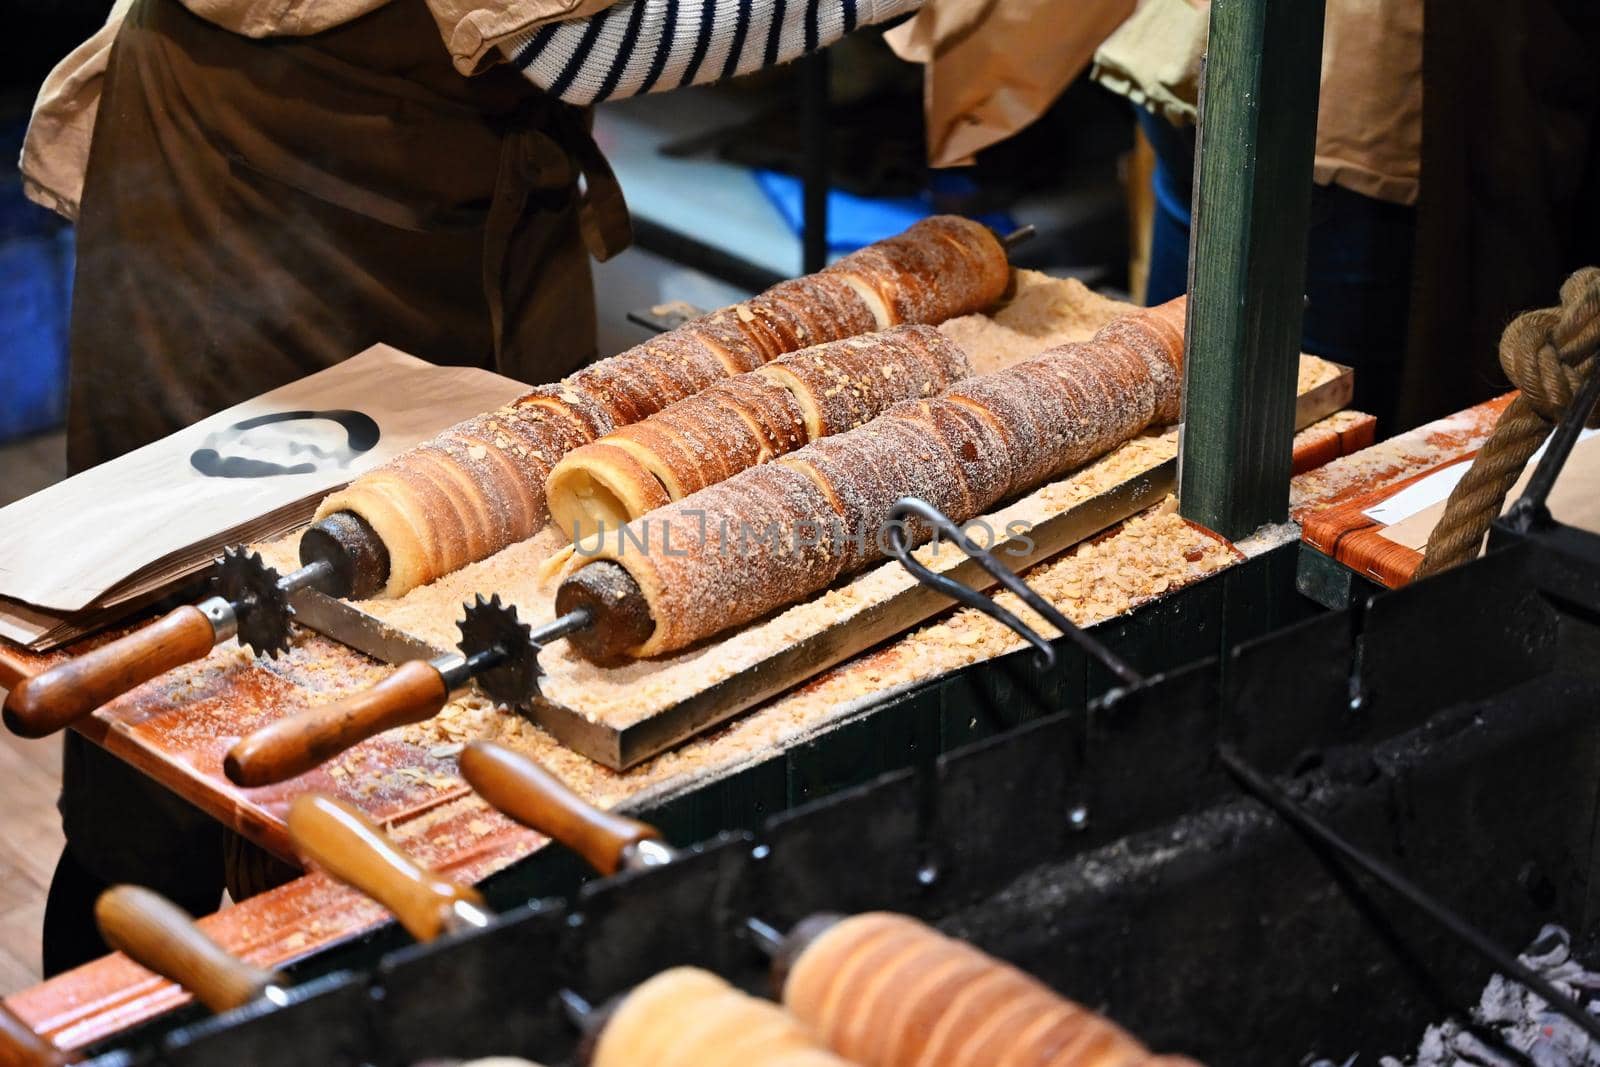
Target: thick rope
x=1547, y=354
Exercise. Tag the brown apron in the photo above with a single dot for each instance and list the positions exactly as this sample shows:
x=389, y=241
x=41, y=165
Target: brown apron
x=256, y=210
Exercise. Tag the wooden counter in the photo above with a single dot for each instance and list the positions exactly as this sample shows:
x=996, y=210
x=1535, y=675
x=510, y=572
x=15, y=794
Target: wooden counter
x=1332, y=515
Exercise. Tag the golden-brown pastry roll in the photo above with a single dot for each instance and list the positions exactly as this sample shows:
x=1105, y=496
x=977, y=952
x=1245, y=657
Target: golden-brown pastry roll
x=698, y=442
x=806, y=311
x=1019, y=407
x=982, y=450
x=885, y=990
x=845, y=384
x=981, y=251
x=866, y=472
x=921, y=275
x=607, y=491
x=1156, y=336
x=687, y=1017
x=1067, y=406
x=770, y=411
x=985, y=439
x=727, y=554
x=584, y=418
x=460, y=497
x=747, y=420
x=433, y=514
x=729, y=334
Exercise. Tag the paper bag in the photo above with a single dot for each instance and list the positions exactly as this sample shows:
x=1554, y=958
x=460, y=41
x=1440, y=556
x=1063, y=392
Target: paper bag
x=994, y=66
x=1574, y=499
x=142, y=521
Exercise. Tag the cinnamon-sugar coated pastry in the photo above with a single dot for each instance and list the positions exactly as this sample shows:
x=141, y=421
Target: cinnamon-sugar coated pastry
x=940, y=262
x=763, y=539
x=770, y=411
x=435, y=519
x=845, y=384
x=973, y=437
x=462, y=496
x=866, y=472
x=605, y=491
x=704, y=562
x=803, y=312
x=687, y=1017
x=744, y=421
x=885, y=990
x=1158, y=342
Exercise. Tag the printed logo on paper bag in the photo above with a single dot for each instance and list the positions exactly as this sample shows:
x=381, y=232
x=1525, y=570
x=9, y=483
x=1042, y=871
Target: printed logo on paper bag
x=286, y=442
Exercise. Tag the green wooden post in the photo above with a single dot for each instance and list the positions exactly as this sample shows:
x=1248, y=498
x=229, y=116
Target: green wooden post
x=1247, y=257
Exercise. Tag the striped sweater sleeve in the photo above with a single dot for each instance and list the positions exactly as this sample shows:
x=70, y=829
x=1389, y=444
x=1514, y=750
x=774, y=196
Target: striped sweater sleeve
x=642, y=46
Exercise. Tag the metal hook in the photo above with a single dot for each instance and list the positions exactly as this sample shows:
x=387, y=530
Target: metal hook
x=575, y=1007
x=766, y=936
x=1530, y=510
x=899, y=544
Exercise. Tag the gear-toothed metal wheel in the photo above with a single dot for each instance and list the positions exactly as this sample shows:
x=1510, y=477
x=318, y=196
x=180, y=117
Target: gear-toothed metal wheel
x=490, y=624
x=261, y=606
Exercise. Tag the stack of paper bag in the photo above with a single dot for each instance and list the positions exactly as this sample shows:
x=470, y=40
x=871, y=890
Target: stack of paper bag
x=99, y=545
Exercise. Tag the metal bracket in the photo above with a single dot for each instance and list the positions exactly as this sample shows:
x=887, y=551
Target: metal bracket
x=909, y=508
x=1530, y=512
x=663, y=318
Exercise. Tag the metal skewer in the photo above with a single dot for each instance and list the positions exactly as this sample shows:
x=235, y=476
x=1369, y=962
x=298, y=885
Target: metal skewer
x=1259, y=786
x=577, y=1010
x=768, y=938
x=251, y=603
x=1019, y=236
x=497, y=651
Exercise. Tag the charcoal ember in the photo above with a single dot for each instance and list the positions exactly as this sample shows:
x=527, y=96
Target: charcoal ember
x=1513, y=1026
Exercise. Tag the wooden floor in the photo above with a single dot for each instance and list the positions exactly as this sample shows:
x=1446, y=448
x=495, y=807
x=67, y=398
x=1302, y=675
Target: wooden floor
x=30, y=771
x=30, y=778
x=28, y=465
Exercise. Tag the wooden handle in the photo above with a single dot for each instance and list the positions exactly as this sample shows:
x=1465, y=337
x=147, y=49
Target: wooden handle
x=538, y=799
x=56, y=698
x=346, y=845
x=156, y=933
x=20, y=1046
x=295, y=745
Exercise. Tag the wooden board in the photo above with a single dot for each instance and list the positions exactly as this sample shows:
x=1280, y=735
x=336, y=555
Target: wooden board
x=1334, y=437
x=870, y=620
x=874, y=615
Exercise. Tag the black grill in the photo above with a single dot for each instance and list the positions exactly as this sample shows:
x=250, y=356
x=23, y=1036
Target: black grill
x=1449, y=728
